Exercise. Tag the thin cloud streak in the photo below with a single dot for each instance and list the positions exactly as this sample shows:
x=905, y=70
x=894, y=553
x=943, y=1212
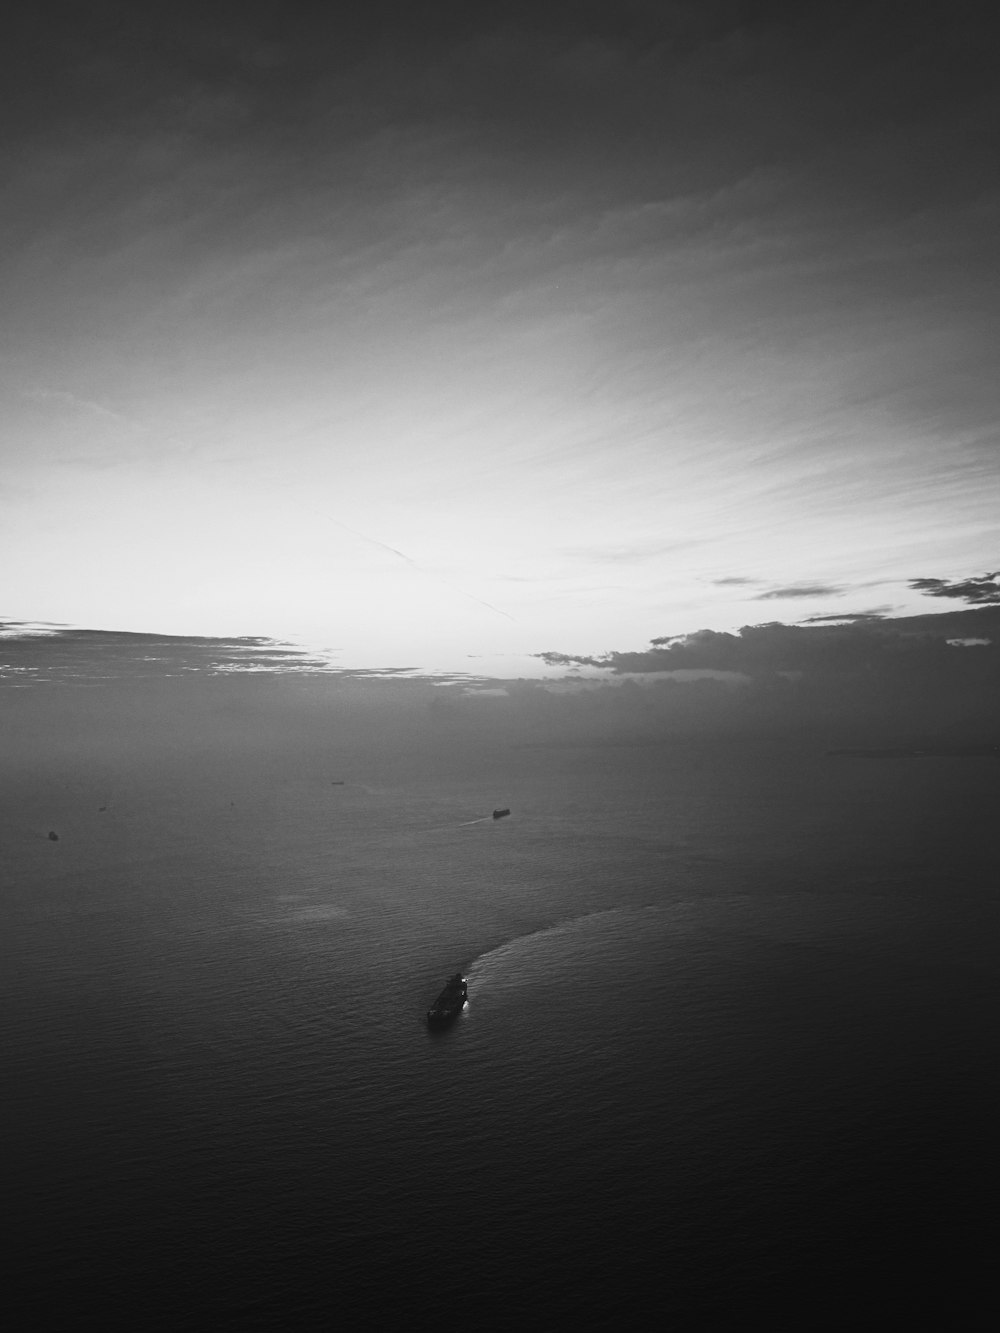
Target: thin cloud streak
x=427, y=573
x=85, y=405
x=797, y=590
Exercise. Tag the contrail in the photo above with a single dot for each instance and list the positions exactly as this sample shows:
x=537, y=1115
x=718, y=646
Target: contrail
x=85, y=404
x=372, y=541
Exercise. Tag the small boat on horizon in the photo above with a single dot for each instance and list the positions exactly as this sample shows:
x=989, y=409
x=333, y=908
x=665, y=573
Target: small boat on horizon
x=499, y=814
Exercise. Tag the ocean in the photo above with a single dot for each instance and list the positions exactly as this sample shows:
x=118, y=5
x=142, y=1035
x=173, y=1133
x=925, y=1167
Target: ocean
x=730, y=1050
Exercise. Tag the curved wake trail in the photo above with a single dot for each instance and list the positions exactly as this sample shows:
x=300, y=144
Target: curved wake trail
x=485, y=964
x=448, y=828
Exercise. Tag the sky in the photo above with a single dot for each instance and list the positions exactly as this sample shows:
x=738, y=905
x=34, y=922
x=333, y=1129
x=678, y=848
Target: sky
x=446, y=335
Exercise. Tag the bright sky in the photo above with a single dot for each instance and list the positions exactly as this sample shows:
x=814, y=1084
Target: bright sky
x=455, y=333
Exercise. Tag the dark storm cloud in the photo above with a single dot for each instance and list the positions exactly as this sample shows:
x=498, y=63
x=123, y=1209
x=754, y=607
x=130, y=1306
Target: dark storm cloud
x=982, y=591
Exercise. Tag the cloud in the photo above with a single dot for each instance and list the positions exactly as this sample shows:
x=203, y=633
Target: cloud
x=632, y=551
x=981, y=591
x=868, y=683
x=85, y=405
x=800, y=590
x=872, y=680
x=685, y=284
x=35, y=652
x=866, y=643
x=873, y=613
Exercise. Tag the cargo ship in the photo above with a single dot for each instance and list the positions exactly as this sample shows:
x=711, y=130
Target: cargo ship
x=499, y=814
x=448, y=1004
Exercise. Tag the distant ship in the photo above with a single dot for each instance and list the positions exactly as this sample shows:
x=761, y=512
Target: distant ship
x=499, y=814
x=448, y=1004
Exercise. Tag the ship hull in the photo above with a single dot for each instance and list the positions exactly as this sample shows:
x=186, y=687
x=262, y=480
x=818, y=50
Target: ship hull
x=442, y=1018
x=449, y=1004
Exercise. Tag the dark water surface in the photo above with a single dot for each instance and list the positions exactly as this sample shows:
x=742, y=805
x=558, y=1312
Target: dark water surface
x=730, y=1048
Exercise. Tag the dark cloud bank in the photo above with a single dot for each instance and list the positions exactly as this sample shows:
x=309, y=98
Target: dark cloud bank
x=869, y=681
x=931, y=680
